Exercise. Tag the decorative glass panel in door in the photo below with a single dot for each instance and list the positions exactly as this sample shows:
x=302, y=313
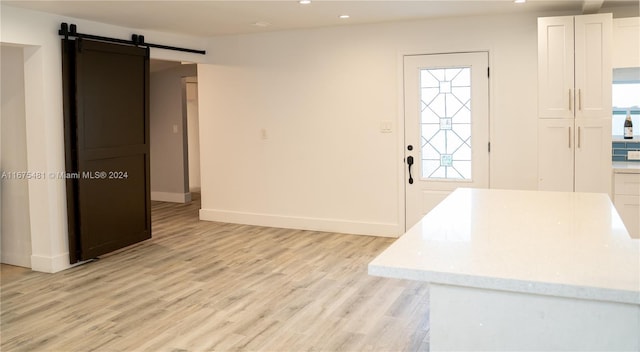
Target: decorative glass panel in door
x=445, y=97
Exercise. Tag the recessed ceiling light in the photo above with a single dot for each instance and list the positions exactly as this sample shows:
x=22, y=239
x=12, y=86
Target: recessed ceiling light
x=304, y=2
x=344, y=16
x=519, y=1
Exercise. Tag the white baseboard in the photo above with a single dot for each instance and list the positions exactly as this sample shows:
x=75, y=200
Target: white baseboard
x=302, y=223
x=171, y=197
x=17, y=259
x=50, y=264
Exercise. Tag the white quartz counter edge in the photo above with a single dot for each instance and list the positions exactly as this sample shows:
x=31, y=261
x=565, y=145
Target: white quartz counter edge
x=467, y=241
x=503, y=284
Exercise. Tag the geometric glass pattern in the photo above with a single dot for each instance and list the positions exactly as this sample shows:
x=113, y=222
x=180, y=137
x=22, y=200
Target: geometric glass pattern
x=445, y=104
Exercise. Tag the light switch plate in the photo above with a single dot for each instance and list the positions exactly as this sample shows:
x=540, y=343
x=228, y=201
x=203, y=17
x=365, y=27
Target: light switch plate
x=633, y=155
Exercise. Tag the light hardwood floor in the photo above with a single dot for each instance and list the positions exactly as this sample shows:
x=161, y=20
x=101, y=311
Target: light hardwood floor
x=200, y=286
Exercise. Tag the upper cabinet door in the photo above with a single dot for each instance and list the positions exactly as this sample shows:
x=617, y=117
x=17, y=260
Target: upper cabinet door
x=626, y=42
x=593, y=38
x=555, y=67
x=574, y=66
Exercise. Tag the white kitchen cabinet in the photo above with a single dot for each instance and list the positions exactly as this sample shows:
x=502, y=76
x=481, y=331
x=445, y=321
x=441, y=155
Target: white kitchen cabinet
x=555, y=67
x=626, y=42
x=593, y=69
x=555, y=142
x=574, y=155
x=592, y=167
x=627, y=201
x=574, y=66
x=574, y=103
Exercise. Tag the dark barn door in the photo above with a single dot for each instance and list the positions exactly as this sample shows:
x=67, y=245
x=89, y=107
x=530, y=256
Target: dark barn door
x=106, y=105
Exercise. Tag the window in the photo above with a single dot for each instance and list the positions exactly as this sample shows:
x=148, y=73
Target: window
x=625, y=97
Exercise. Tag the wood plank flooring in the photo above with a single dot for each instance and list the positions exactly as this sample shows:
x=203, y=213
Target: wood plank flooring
x=206, y=286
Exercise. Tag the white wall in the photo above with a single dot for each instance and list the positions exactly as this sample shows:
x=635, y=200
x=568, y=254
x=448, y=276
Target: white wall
x=37, y=33
x=169, y=166
x=15, y=232
x=289, y=121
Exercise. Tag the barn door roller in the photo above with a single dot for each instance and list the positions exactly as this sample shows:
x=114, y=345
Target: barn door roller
x=68, y=31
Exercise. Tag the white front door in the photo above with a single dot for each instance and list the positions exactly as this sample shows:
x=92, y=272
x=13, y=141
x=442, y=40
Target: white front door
x=446, y=107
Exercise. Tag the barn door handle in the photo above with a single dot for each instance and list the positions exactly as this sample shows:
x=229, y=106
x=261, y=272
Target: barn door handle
x=410, y=162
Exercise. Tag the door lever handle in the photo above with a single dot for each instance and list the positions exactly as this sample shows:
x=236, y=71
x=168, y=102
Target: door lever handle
x=410, y=162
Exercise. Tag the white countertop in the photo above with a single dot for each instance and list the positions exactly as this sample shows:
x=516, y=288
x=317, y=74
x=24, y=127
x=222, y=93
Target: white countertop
x=620, y=138
x=626, y=167
x=550, y=243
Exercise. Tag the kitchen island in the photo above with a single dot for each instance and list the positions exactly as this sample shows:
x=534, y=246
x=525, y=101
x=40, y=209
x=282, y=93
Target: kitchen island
x=523, y=270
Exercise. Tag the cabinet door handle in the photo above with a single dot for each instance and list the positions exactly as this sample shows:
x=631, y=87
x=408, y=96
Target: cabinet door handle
x=569, y=139
x=579, y=137
x=579, y=99
x=570, y=109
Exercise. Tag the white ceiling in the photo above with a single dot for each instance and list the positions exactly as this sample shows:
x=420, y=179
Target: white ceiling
x=215, y=17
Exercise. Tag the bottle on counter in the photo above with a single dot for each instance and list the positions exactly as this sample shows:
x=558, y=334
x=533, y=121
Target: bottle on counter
x=628, y=127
